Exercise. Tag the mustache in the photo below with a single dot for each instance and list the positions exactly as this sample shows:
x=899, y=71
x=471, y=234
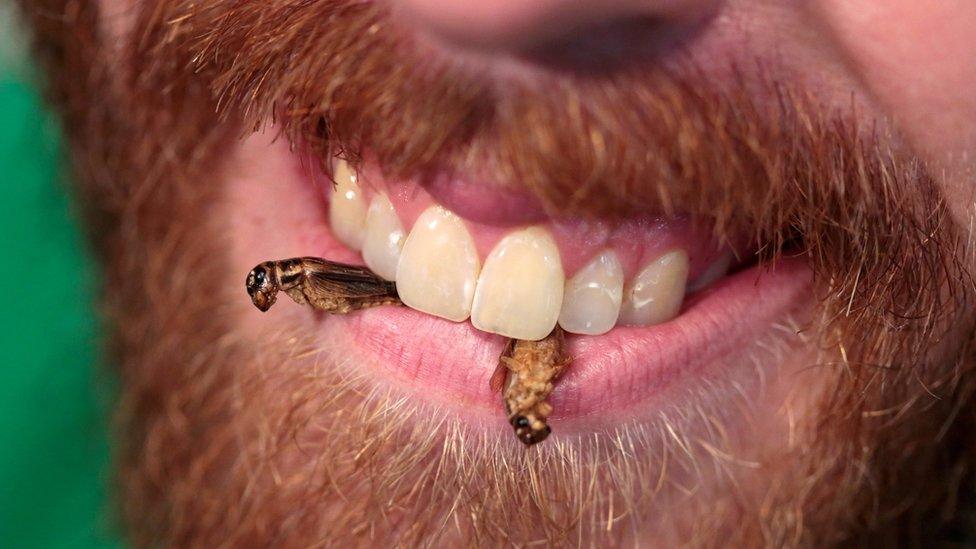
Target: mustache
x=343, y=78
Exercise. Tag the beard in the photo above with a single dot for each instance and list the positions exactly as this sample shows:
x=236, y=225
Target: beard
x=224, y=437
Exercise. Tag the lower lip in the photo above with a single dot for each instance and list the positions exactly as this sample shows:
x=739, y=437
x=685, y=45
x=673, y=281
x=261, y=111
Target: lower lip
x=627, y=367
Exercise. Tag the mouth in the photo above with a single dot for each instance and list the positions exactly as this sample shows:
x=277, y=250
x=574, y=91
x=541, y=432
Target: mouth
x=652, y=305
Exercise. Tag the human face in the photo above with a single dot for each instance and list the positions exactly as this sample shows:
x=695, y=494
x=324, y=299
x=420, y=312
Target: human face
x=777, y=196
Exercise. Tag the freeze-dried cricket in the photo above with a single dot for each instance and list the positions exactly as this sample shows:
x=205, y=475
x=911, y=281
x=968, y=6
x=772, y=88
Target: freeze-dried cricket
x=326, y=285
x=530, y=368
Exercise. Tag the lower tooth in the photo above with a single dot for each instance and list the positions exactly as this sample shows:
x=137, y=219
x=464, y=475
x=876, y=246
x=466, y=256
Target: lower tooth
x=656, y=293
x=347, y=208
x=591, y=302
x=520, y=289
x=384, y=238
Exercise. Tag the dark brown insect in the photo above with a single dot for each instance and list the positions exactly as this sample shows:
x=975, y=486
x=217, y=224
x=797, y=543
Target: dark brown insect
x=530, y=369
x=326, y=285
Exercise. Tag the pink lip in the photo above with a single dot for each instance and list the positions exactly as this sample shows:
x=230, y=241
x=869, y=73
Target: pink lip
x=280, y=214
x=611, y=372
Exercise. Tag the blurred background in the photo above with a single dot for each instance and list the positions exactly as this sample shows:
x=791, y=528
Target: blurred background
x=54, y=389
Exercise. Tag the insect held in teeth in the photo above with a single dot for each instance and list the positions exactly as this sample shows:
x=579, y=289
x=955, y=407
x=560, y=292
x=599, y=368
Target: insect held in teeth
x=526, y=373
x=526, y=370
x=326, y=285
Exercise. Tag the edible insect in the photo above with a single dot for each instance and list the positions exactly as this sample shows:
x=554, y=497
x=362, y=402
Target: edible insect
x=326, y=285
x=526, y=373
x=526, y=370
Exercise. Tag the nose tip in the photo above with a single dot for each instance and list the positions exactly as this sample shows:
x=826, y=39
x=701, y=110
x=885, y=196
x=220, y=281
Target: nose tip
x=506, y=25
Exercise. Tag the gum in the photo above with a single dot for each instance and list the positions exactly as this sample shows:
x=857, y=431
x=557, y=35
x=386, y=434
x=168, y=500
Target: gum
x=492, y=213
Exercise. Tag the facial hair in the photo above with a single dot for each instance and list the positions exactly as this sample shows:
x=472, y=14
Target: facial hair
x=212, y=448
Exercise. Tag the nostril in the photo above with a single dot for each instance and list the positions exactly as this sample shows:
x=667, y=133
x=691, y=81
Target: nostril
x=573, y=34
x=612, y=45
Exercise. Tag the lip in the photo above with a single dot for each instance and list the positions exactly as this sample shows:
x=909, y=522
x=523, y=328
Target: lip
x=625, y=371
x=611, y=372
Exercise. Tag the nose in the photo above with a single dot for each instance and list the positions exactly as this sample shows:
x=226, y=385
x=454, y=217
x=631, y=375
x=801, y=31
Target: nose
x=505, y=26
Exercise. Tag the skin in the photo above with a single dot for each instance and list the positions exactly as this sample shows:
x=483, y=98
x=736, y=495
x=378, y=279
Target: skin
x=906, y=64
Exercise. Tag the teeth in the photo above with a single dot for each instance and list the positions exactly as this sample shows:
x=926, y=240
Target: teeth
x=591, y=302
x=655, y=294
x=347, y=208
x=520, y=289
x=438, y=266
x=384, y=238
x=715, y=271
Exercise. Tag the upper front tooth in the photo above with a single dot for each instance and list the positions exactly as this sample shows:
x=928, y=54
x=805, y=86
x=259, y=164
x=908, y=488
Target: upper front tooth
x=438, y=266
x=520, y=288
x=591, y=302
x=347, y=208
x=384, y=238
x=656, y=293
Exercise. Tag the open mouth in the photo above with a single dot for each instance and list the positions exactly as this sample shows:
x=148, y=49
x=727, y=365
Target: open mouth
x=649, y=304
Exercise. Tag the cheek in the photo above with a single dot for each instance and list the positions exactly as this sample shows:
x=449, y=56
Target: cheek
x=918, y=59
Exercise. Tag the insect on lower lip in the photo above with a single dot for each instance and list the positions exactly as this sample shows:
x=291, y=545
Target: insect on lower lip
x=529, y=367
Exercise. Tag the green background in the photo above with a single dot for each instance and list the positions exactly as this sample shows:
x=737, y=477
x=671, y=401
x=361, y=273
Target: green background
x=53, y=393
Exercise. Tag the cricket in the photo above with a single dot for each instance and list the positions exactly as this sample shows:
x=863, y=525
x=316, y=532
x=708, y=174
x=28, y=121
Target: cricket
x=525, y=375
x=325, y=285
x=526, y=371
